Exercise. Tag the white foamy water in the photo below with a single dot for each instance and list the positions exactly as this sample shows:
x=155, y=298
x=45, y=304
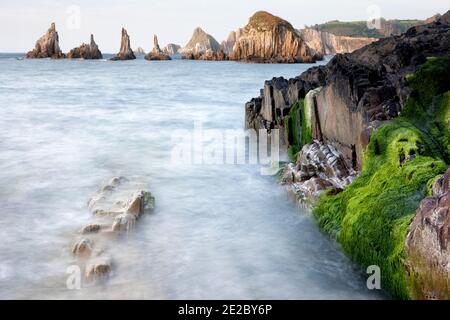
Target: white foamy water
x=218, y=232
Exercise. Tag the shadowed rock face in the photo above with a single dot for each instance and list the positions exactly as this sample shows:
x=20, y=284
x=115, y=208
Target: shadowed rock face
x=125, y=52
x=328, y=44
x=156, y=54
x=358, y=90
x=47, y=46
x=203, y=46
x=86, y=51
x=270, y=39
x=428, y=244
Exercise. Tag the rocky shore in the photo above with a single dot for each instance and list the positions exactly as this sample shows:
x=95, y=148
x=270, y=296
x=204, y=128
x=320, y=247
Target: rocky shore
x=369, y=132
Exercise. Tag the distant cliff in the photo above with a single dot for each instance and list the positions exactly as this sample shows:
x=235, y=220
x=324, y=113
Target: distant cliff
x=269, y=39
x=329, y=44
x=202, y=46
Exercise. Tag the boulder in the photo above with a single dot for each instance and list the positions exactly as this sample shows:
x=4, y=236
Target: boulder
x=125, y=52
x=47, y=46
x=270, y=39
x=86, y=51
x=428, y=244
x=156, y=54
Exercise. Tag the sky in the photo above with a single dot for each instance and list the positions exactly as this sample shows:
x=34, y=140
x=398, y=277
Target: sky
x=22, y=22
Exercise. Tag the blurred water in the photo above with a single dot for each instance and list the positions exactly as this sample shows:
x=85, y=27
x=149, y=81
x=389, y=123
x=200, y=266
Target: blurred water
x=218, y=231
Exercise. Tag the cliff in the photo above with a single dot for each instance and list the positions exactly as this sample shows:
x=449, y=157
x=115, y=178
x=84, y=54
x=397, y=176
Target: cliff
x=156, y=53
x=270, y=39
x=86, y=51
x=329, y=44
x=139, y=51
x=47, y=46
x=369, y=133
x=125, y=52
x=172, y=49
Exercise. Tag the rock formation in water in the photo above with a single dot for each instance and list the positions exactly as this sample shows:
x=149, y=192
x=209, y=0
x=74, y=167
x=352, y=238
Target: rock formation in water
x=125, y=52
x=47, y=46
x=116, y=208
x=270, y=39
x=328, y=44
x=139, y=51
x=357, y=90
x=86, y=51
x=202, y=46
x=156, y=54
x=429, y=243
x=171, y=49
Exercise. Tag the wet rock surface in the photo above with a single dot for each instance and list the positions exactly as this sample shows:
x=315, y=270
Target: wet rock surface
x=428, y=244
x=47, y=46
x=116, y=208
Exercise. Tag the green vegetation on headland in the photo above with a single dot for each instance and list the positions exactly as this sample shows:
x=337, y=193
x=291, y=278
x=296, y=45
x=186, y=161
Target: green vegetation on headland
x=371, y=217
x=298, y=127
x=360, y=29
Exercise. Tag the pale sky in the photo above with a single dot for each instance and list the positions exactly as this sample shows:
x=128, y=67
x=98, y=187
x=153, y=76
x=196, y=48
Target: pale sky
x=22, y=22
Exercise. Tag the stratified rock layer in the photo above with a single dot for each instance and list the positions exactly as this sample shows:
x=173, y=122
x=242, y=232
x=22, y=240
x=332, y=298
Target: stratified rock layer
x=86, y=51
x=156, y=54
x=270, y=39
x=47, y=46
x=125, y=52
x=428, y=244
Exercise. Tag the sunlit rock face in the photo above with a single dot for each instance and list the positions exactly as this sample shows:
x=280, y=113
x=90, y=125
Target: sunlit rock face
x=156, y=54
x=47, y=46
x=86, y=51
x=125, y=52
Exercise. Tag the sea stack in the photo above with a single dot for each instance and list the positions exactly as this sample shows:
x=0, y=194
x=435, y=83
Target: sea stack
x=171, y=49
x=86, y=51
x=203, y=46
x=47, y=46
x=270, y=39
x=125, y=49
x=139, y=51
x=156, y=54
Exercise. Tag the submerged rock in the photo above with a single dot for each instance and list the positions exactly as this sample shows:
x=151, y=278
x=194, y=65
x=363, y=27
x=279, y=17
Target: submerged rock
x=156, y=54
x=47, y=46
x=86, y=51
x=270, y=39
x=125, y=52
x=428, y=244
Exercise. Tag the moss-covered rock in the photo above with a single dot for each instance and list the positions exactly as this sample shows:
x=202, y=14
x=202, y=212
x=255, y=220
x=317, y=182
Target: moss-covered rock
x=371, y=217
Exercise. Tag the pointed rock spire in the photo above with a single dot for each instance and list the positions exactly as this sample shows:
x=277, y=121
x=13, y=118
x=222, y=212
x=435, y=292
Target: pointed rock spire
x=157, y=53
x=125, y=52
x=47, y=46
x=86, y=51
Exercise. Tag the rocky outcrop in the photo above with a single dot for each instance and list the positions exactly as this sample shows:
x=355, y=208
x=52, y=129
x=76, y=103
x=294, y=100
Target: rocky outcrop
x=428, y=244
x=156, y=54
x=171, y=49
x=47, y=46
x=319, y=167
x=358, y=90
x=328, y=44
x=86, y=51
x=125, y=52
x=139, y=51
x=116, y=208
x=203, y=46
x=270, y=39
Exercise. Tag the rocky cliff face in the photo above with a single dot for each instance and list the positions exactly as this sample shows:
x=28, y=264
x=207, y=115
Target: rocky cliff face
x=270, y=39
x=156, y=53
x=171, y=49
x=202, y=46
x=328, y=44
x=357, y=90
x=428, y=244
x=125, y=52
x=86, y=51
x=47, y=46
